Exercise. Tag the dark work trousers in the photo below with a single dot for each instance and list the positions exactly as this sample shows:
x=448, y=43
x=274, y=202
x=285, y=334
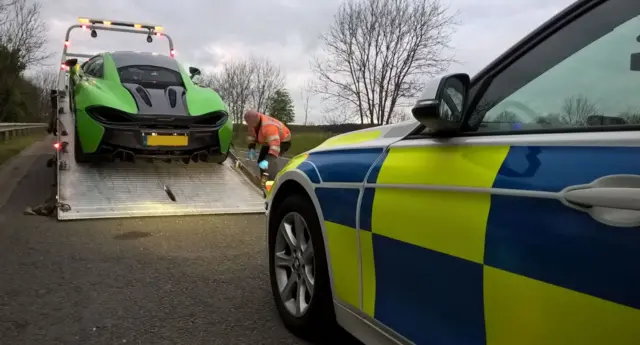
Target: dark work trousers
x=284, y=147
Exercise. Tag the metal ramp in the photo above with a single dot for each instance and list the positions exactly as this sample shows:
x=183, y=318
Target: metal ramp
x=122, y=189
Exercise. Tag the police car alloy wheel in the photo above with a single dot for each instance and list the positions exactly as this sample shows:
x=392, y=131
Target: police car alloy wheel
x=298, y=269
x=294, y=265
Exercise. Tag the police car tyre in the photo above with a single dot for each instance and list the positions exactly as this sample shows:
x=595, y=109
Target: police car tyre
x=315, y=318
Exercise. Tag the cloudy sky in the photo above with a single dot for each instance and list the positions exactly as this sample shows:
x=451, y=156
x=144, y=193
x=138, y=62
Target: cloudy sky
x=208, y=33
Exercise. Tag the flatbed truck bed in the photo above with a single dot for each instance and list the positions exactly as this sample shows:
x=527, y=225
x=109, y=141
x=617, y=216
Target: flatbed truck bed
x=124, y=189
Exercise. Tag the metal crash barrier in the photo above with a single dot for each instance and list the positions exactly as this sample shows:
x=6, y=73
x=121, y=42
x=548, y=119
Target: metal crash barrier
x=12, y=130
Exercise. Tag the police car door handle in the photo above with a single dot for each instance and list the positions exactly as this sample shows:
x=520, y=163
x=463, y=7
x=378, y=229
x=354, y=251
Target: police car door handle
x=613, y=200
x=613, y=192
x=609, y=197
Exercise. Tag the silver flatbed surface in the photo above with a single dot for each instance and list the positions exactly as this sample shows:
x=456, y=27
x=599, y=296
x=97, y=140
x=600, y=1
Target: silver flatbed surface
x=123, y=189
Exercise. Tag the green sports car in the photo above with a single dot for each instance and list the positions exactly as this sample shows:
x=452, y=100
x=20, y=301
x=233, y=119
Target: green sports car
x=130, y=105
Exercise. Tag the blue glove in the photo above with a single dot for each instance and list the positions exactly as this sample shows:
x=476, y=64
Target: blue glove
x=263, y=165
x=252, y=155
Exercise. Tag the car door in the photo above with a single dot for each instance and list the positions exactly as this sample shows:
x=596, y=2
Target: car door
x=525, y=228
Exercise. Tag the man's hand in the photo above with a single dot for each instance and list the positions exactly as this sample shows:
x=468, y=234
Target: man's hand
x=263, y=165
x=252, y=155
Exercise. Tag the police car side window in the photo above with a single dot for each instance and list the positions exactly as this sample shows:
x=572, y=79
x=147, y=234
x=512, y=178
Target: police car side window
x=584, y=75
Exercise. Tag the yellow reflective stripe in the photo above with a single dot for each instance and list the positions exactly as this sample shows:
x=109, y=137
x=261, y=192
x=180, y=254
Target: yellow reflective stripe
x=351, y=138
x=274, y=148
x=448, y=232
x=273, y=137
x=343, y=253
x=251, y=138
x=293, y=163
x=515, y=305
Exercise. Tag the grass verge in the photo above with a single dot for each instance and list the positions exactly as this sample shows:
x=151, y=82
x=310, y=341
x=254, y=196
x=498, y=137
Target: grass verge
x=14, y=145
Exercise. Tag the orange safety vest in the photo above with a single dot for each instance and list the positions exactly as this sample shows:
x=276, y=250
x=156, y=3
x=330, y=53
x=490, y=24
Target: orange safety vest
x=271, y=132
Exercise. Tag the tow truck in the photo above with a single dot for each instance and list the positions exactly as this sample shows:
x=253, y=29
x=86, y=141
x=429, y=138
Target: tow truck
x=118, y=189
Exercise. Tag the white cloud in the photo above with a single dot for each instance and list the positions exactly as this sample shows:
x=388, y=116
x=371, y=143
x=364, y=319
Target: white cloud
x=207, y=33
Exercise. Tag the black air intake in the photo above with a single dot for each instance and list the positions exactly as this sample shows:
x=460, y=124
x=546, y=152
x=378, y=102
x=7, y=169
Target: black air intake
x=109, y=115
x=172, y=95
x=211, y=119
x=144, y=95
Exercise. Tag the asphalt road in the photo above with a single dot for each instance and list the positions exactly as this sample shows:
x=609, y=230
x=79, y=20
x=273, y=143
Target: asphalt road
x=168, y=280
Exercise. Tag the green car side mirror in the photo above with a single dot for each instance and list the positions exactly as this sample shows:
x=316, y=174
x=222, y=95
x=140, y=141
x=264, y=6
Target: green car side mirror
x=71, y=62
x=194, y=71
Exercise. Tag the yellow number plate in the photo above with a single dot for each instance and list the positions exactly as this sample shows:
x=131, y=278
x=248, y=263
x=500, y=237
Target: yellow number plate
x=167, y=140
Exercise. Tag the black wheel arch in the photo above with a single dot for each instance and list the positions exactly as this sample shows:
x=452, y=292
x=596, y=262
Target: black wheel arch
x=288, y=188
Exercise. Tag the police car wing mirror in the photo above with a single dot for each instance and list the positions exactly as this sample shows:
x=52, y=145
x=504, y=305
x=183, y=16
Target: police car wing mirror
x=440, y=106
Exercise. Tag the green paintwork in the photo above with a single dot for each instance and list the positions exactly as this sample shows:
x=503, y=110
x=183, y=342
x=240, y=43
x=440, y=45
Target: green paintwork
x=200, y=100
x=92, y=132
x=109, y=91
x=225, y=134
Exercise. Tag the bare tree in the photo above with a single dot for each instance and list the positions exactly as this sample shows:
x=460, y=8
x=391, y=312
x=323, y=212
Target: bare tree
x=399, y=115
x=234, y=84
x=576, y=110
x=245, y=83
x=380, y=52
x=210, y=80
x=338, y=117
x=23, y=30
x=631, y=117
x=4, y=9
x=305, y=95
x=44, y=79
x=267, y=79
x=506, y=116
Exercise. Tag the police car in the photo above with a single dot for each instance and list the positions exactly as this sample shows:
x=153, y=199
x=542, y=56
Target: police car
x=508, y=212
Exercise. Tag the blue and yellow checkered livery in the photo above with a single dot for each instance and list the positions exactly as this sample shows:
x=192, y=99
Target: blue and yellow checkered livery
x=460, y=267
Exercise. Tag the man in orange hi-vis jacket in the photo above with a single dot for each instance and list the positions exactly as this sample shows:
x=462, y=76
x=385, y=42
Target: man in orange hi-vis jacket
x=272, y=134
